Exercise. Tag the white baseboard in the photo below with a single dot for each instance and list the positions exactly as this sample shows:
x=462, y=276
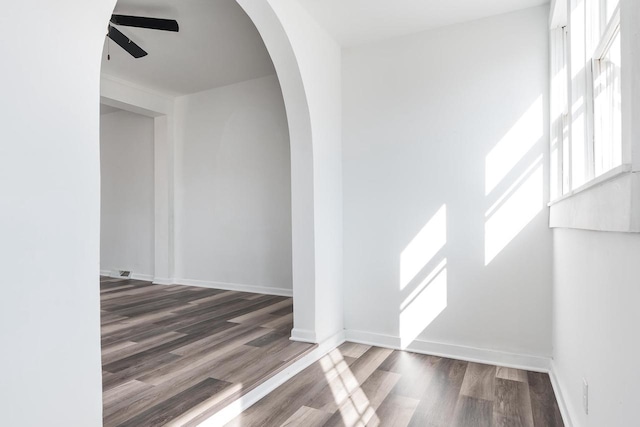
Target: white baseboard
x=303, y=335
x=558, y=391
x=235, y=287
x=234, y=409
x=135, y=276
x=206, y=284
x=469, y=354
x=145, y=277
x=162, y=281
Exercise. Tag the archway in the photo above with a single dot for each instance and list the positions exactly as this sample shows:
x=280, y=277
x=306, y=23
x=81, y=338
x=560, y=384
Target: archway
x=53, y=206
x=121, y=95
x=302, y=168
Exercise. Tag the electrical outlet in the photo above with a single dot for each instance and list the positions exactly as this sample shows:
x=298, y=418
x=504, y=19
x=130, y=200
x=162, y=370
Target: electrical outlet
x=585, y=396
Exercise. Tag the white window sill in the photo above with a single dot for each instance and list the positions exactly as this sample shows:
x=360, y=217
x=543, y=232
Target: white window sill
x=610, y=202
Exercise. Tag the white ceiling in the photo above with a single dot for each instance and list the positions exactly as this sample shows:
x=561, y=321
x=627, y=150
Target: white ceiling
x=217, y=45
x=354, y=22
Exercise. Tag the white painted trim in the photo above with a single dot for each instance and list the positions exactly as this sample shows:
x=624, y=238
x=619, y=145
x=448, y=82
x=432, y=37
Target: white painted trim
x=135, y=276
x=557, y=390
x=607, y=176
x=452, y=351
x=303, y=335
x=137, y=99
x=235, y=287
x=162, y=281
x=609, y=205
x=167, y=95
x=235, y=408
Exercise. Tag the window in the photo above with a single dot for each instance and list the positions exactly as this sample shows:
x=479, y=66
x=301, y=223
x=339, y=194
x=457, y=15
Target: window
x=607, y=111
x=586, y=110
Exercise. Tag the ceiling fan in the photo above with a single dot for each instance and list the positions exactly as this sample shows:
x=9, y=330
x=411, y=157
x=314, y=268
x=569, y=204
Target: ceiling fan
x=140, y=22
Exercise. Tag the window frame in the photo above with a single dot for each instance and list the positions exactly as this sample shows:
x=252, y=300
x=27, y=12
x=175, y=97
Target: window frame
x=612, y=28
x=610, y=201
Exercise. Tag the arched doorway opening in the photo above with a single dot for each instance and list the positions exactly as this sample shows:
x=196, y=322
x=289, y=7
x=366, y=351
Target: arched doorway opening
x=121, y=94
x=176, y=120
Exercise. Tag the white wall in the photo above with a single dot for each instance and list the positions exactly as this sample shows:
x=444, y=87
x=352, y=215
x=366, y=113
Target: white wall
x=233, y=186
x=595, y=280
x=596, y=296
x=319, y=58
x=127, y=189
x=452, y=120
x=50, y=213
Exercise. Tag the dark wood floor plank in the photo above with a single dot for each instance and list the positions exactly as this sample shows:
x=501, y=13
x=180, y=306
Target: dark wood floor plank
x=164, y=345
x=176, y=405
x=124, y=392
x=511, y=374
x=284, y=307
x=417, y=370
x=438, y=404
x=273, y=411
x=354, y=394
x=396, y=411
x=175, y=355
x=479, y=381
x=137, y=370
x=200, y=362
x=512, y=404
x=472, y=412
x=111, y=356
x=353, y=350
x=360, y=404
x=265, y=340
x=346, y=378
x=308, y=417
x=543, y=402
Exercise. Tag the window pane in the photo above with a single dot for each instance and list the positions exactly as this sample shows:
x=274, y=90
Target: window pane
x=611, y=7
x=607, y=109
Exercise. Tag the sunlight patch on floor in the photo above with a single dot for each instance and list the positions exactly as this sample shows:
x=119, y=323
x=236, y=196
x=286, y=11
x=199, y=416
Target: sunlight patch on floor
x=354, y=406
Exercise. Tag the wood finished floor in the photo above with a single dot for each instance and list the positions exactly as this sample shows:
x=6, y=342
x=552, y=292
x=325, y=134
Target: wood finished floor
x=358, y=385
x=174, y=355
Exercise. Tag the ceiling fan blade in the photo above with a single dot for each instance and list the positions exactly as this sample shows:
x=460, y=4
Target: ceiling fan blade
x=142, y=22
x=125, y=43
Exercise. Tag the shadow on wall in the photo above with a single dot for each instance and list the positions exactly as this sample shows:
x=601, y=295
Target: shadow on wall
x=514, y=196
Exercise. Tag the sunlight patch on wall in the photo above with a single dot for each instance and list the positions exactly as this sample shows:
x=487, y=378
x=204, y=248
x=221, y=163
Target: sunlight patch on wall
x=514, y=145
x=578, y=155
x=506, y=219
x=424, y=246
x=578, y=44
x=423, y=305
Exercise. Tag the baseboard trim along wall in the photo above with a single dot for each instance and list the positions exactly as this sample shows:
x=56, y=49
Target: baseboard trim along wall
x=562, y=404
x=303, y=335
x=469, y=354
x=135, y=276
x=234, y=409
x=162, y=281
x=281, y=292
